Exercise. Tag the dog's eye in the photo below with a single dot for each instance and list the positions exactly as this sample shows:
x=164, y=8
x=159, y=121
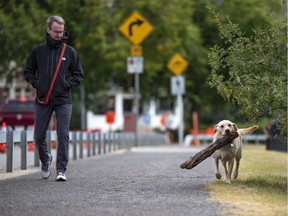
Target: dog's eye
x=222, y=126
x=229, y=125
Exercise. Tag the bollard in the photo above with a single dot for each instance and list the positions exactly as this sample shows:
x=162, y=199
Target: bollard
x=93, y=143
x=116, y=141
x=74, y=145
x=81, y=145
x=9, y=151
x=104, y=143
x=113, y=142
x=88, y=144
x=109, y=141
x=99, y=143
x=23, y=145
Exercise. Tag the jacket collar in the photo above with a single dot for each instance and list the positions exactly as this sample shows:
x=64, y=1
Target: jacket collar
x=55, y=43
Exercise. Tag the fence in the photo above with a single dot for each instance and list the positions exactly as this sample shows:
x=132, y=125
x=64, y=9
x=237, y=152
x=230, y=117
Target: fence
x=96, y=143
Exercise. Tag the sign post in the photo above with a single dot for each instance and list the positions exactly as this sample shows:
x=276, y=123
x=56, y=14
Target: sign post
x=177, y=65
x=136, y=28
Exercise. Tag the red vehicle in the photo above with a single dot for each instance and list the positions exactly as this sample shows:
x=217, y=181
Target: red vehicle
x=17, y=113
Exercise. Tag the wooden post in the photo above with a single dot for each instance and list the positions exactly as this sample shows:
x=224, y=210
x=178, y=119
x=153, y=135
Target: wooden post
x=195, y=140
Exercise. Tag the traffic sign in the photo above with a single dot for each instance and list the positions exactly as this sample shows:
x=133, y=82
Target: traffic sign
x=136, y=28
x=177, y=64
x=177, y=85
x=135, y=64
x=136, y=50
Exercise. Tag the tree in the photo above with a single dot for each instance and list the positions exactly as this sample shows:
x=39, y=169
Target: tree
x=252, y=71
x=183, y=26
x=20, y=24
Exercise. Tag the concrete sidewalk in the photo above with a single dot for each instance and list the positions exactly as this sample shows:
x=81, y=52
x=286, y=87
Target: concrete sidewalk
x=143, y=181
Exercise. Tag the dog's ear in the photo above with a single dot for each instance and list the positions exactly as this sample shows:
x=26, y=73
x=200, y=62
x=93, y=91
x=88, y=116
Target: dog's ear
x=235, y=127
x=215, y=128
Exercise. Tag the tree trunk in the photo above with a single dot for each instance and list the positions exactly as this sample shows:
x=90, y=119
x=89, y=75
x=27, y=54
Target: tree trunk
x=207, y=152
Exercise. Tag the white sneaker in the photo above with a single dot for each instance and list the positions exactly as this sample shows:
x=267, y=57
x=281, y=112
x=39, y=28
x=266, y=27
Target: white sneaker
x=45, y=169
x=61, y=176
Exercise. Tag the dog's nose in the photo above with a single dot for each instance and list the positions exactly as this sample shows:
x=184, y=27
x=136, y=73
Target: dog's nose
x=227, y=131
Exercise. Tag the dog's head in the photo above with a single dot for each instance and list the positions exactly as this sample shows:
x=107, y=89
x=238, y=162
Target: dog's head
x=224, y=127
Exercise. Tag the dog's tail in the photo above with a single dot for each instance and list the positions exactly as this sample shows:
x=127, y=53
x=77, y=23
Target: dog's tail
x=247, y=131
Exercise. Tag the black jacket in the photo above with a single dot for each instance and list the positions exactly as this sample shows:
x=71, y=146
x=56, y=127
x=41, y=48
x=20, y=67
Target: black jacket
x=40, y=68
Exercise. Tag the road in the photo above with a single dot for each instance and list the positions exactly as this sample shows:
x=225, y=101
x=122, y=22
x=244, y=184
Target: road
x=142, y=181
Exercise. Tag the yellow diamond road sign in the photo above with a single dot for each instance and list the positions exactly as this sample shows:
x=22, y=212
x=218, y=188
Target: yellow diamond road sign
x=177, y=64
x=136, y=28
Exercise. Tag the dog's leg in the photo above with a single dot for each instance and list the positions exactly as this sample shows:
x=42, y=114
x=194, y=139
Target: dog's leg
x=216, y=168
x=235, y=174
x=230, y=169
x=224, y=163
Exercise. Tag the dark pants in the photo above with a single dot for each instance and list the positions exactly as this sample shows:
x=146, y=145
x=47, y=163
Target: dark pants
x=42, y=119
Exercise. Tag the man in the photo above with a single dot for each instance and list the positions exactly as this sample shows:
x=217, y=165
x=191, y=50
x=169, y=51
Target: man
x=39, y=71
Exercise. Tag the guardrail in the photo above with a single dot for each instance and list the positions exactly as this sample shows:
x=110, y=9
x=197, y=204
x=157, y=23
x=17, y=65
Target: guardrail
x=96, y=143
x=205, y=139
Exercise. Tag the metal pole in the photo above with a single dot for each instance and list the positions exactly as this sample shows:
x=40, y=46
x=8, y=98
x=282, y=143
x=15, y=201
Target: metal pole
x=94, y=143
x=136, y=107
x=9, y=151
x=88, y=144
x=104, y=143
x=82, y=107
x=23, y=150
x=74, y=144
x=181, y=125
x=81, y=145
x=99, y=143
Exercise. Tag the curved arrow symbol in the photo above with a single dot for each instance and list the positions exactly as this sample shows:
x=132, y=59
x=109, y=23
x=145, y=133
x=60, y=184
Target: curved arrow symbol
x=138, y=22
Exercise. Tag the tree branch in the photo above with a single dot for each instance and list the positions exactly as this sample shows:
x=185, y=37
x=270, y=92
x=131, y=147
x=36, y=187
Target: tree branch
x=208, y=151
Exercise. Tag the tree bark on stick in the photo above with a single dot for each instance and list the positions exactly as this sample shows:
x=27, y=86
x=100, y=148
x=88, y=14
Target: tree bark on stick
x=208, y=151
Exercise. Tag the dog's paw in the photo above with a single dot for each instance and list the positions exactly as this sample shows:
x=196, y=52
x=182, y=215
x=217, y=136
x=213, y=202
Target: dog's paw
x=227, y=181
x=218, y=175
x=235, y=175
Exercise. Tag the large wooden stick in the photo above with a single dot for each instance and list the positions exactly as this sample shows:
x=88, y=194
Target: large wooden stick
x=208, y=151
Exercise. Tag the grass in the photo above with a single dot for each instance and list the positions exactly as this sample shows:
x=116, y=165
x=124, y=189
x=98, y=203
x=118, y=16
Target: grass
x=261, y=188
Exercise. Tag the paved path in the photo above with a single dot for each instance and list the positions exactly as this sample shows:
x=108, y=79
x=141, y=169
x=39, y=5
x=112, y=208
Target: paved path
x=143, y=181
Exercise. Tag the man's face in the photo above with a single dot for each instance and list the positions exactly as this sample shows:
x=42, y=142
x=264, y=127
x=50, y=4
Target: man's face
x=56, y=31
